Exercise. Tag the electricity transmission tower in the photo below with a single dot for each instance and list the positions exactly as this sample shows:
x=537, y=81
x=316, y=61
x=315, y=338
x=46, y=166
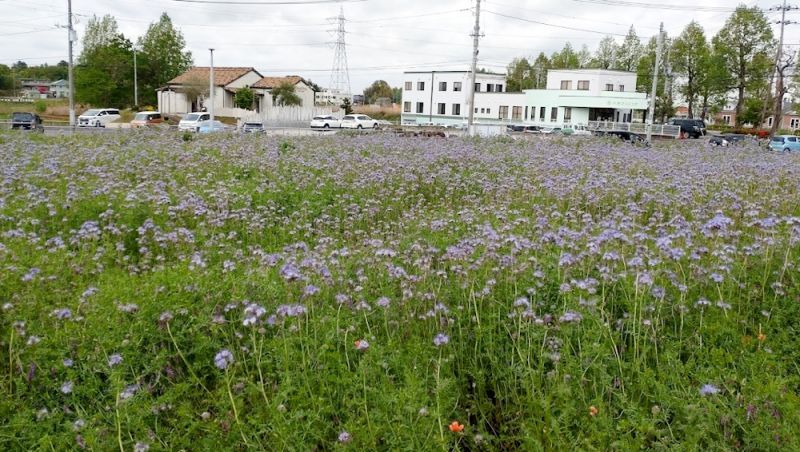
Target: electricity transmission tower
x=340, y=76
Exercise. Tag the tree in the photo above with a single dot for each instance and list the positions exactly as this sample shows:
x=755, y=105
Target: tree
x=314, y=87
x=745, y=43
x=567, y=58
x=244, y=98
x=347, y=106
x=629, y=53
x=644, y=80
x=714, y=86
x=195, y=88
x=6, y=78
x=100, y=32
x=519, y=75
x=284, y=95
x=162, y=56
x=539, y=69
x=397, y=95
x=378, y=89
x=690, y=57
x=584, y=57
x=604, y=57
x=104, y=78
x=19, y=65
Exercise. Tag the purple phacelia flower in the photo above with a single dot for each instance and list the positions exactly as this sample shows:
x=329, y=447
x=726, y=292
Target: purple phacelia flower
x=290, y=273
x=345, y=437
x=66, y=387
x=114, y=359
x=570, y=316
x=63, y=313
x=709, y=389
x=223, y=359
x=440, y=340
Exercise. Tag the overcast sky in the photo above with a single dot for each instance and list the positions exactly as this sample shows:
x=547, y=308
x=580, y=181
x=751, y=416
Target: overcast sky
x=384, y=37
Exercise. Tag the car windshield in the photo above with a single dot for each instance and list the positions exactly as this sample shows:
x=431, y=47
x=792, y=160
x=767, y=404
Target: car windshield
x=348, y=118
x=253, y=124
x=192, y=117
x=91, y=112
x=22, y=116
x=321, y=117
x=778, y=139
x=140, y=117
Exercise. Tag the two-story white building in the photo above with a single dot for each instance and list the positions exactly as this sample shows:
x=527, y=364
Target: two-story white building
x=570, y=97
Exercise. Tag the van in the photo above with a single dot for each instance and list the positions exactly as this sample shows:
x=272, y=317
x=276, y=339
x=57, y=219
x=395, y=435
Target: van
x=147, y=119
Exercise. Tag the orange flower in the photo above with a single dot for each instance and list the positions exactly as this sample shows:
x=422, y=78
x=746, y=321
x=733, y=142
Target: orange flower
x=455, y=427
x=593, y=411
x=762, y=337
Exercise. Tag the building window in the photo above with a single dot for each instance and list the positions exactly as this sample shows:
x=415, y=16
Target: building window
x=456, y=86
x=769, y=121
x=794, y=123
x=566, y=84
x=533, y=113
x=583, y=85
x=499, y=88
x=483, y=110
x=503, y=113
x=526, y=112
x=567, y=115
x=622, y=87
x=477, y=87
x=456, y=109
x=489, y=88
x=476, y=109
x=541, y=114
x=420, y=107
x=553, y=114
x=408, y=86
x=440, y=109
x=488, y=111
x=420, y=86
x=516, y=113
x=726, y=119
x=609, y=87
x=407, y=107
x=442, y=86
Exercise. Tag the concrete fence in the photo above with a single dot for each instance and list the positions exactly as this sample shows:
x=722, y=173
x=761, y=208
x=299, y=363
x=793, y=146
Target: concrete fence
x=276, y=116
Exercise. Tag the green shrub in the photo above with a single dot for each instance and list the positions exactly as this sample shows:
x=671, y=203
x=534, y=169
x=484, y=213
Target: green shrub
x=40, y=106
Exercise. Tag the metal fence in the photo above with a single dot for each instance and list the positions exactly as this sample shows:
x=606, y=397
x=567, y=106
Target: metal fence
x=663, y=130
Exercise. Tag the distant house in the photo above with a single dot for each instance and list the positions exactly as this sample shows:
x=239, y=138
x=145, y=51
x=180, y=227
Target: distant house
x=331, y=97
x=263, y=89
x=59, y=88
x=188, y=92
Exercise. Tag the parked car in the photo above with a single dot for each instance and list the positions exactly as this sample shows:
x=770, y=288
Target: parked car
x=690, y=128
x=727, y=139
x=147, y=119
x=550, y=131
x=358, y=122
x=579, y=130
x=210, y=126
x=98, y=117
x=253, y=127
x=633, y=138
x=785, y=143
x=718, y=140
x=192, y=121
x=324, y=122
x=26, y=121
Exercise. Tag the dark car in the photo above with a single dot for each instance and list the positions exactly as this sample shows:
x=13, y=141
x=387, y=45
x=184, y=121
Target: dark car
x=26, y=121
x=633, y=138
x=253, y=127
x=690, y=128
x=523, y=128
x=727, y=139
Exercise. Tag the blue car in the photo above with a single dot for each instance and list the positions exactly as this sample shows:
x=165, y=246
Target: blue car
x=785, y=143
x=212, y=126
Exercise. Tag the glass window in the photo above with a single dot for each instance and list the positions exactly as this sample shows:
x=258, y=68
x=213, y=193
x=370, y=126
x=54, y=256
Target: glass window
x=420, y=107
x=442, y=86
x=609, y=87
x=440, y=109
x=456, y=86
x=407, y=107
x=420, y=86
x=583, y=85
x=516, y=113
x=541, y=114
x=499, y=88
x=477, y=87
x=793, y=139
x=488, y=111
x=408, y=86
x=567, y=115
x=456, y=109
x=503, y=113
x=553, y=114
x=622, y=87
x=566, y=84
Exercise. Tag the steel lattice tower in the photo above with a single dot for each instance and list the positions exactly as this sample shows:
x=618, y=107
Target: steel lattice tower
x=340, y=76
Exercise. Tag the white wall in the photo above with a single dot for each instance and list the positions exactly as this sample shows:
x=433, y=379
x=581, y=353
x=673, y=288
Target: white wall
x=597, y=79
x=431, y=96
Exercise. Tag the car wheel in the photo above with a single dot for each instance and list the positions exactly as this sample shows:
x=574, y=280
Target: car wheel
x=326, y=126
x=359, y=127
x=375, y=126
x=786, y=150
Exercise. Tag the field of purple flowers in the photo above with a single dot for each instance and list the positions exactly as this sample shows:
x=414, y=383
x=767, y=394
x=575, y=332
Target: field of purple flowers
x=382, y=293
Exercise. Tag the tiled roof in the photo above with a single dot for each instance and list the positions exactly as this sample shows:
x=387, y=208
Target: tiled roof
x=222, y=75
x=272, y=82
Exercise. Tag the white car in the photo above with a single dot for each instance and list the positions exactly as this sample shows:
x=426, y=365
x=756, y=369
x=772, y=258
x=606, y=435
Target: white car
x=581, y=130
x=98, y=117
x=324, y=122
x=191, y=122
x=359, y=122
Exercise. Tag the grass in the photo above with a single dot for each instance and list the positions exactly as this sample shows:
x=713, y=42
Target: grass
x=366, y=292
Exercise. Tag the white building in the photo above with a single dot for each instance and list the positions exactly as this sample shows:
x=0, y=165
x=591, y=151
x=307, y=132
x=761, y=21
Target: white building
x=570, y=97
x=188, y=92
x=59, y=88
x=330, y=97
x=263, y=89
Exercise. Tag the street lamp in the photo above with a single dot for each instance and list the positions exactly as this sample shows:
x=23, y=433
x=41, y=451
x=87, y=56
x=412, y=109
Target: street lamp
x=211, y=88
x=135, y=81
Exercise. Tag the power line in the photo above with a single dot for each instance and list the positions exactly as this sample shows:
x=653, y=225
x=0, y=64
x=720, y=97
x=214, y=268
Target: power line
x=593, y=20
x=553, y=25
x=713, y=9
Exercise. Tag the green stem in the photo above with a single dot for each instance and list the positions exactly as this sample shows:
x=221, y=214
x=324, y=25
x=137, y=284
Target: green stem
x=235, y=411
x=185, y=362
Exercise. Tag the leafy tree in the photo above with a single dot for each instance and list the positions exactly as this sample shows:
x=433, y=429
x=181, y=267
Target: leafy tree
x=20, y=65
x=162, y=56
x=539, y=70
x=519, y=75
x=244, y=98
x=567, y=58
x=584, y=57
x=100, y=32
x=316, y=88
x=690, y=57
x=745, y=43
x=6, y=78
x=195, y=88
x=378, y=89
x=284, y=95
x=604, y=57
x=714, y=84
x=629, y=53
x=644, y=80
x=347, y=106
x=397, y=95
x=104, y=78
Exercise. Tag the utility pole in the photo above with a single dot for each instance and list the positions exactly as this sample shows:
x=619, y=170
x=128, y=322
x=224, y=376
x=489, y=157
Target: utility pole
x=72, y=38
x=777, y=113
x=211, y=88
x=476, y=33
x=652, y=113
x=135, y=81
